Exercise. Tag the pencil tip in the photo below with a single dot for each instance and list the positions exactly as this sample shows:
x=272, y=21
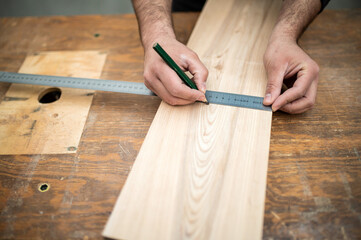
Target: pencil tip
x=205, y=100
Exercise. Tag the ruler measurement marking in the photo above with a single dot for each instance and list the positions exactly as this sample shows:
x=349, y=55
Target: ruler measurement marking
x=222, y=98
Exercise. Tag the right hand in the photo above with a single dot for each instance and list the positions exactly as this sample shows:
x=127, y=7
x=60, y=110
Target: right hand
x=164, y=81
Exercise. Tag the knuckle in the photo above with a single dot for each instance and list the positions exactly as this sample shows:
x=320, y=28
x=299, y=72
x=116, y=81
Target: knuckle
x=285, y=109
x=172, y=101
x=196, y=97
x=267, y=61
x=174, y=91
x=193, y=55
x=205, y=72
x=299, y=92
x=311, y=104
x=289, y=110
x=148, y=81
x=316, y=68
x=271, y=86
x=146, y=84
x=150, y=87
x=147, y=75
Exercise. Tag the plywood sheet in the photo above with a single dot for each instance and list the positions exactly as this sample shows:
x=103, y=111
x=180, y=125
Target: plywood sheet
x=30, y=127
x=201, y=171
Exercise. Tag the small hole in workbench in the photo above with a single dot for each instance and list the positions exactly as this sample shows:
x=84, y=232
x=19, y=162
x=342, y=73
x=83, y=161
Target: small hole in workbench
x=71, y=148
x=49, y=95
x=43, y=187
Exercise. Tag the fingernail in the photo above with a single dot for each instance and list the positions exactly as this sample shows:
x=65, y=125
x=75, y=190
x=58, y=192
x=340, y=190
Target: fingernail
x=268, y=97
x=203, y=88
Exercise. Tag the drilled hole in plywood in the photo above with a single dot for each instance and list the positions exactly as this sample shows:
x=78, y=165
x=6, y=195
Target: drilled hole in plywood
x=49, y=95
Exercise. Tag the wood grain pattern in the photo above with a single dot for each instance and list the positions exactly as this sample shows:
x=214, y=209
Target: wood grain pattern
x=201, y=172
x=30, y=127
x=316, y=153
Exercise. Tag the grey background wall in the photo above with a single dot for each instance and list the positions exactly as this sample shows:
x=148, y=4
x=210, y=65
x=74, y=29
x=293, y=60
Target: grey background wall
x=82, y=7
x=63, y=7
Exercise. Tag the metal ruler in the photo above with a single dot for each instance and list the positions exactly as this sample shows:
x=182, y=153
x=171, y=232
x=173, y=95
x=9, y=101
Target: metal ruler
x=214, y=97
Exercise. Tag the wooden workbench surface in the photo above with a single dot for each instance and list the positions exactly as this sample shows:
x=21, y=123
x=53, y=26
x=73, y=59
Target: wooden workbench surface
x=314, y=174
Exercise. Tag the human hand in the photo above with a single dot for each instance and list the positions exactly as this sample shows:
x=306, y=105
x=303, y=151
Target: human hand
x=286, y=62
x=164, y=82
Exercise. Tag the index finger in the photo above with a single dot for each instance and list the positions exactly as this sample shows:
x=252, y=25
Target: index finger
x=176, y=87
x=198, y=70
x=304, y=103
x=298, y=90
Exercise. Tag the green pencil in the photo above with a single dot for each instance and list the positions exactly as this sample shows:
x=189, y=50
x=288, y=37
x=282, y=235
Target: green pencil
x=174, y=66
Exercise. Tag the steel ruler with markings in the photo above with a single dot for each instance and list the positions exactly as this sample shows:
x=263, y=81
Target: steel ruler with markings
x=229, y=99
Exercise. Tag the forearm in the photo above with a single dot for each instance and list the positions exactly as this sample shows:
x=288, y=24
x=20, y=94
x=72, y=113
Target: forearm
x=154, y=19
x=294, y=18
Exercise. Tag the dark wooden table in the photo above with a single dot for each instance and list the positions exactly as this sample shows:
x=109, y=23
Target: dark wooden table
x=314, y=176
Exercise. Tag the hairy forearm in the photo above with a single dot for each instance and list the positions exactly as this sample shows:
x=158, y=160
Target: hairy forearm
x=154, y=19
x=294, y=18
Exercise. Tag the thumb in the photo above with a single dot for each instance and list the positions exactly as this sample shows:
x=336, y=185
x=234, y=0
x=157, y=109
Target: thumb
x=274, y=85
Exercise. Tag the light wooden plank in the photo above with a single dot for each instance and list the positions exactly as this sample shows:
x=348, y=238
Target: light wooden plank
x=201, y=171
x=30, y=127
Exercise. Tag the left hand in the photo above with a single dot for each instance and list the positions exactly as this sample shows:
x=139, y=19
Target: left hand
x=283, y=60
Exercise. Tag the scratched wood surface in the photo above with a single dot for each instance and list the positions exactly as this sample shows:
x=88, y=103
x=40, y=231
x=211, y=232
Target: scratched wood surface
x=31, y=127
x=201, y=171
x=313, y=181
